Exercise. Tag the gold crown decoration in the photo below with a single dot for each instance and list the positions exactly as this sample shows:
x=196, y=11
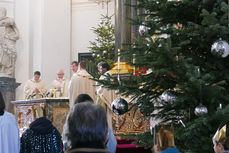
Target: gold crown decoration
x=220, y=134
x=166, y=137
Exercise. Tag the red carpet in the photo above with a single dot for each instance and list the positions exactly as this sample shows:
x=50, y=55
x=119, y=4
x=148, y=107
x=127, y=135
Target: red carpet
x=125, y=146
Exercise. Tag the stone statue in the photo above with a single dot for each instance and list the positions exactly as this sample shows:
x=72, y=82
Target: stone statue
x=9, y=34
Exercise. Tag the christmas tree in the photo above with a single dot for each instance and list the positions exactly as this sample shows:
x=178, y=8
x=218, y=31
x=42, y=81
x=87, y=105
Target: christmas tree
x=188, y=77
x=103, y=46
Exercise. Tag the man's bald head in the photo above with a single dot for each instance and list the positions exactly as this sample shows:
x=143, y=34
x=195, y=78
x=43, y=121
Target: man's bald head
x=60, y=73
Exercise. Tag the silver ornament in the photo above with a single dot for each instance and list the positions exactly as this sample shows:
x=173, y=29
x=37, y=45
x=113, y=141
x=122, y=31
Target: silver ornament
x=104, y=52
x=98, y=55
x=143, y=29
x=119, y=106
x=167, y=98
x=220, y=48
x=93, y=55
x=201, y=110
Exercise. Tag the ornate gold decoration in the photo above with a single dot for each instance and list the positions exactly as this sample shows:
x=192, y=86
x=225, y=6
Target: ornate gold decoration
x=137, y=117
x=124, y=68
x=123, y=122
x=59, y=117
x=38, y=110
x=130, y=122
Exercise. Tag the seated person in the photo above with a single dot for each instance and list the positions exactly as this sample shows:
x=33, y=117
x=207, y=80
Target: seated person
x=9, y=133
x=86, y=129
x=166, y=142
x=35, y=88
x=221, y=140
x=41, y=137
x=59, y=86
x=112, y=142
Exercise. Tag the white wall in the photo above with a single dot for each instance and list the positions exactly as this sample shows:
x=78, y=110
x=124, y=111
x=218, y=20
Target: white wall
x=56, y=38
x=85, y=15
x=44, y=44
x=52, y=33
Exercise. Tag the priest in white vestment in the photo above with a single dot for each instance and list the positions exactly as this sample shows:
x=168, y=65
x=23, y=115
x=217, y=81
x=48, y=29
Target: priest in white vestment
x=35, y=88
x=60, y=84
x=74, y=67
x=9, y=133
x=104, y=96
x=81, y=83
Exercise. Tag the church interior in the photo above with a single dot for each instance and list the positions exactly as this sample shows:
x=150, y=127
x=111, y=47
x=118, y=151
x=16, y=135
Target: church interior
x=141, y=75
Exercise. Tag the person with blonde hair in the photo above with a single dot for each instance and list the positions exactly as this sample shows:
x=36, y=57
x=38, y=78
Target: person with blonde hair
x=166, y=143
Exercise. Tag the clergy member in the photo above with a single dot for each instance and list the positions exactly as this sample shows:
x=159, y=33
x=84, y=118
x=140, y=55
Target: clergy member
x=74, y=67
x=104, y=96
x=60, y=84
x=81, y=84
x=35, y=88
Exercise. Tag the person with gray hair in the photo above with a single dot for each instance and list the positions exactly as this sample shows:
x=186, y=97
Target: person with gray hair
x=86, y=129
x=59, y=86
x=112, y=142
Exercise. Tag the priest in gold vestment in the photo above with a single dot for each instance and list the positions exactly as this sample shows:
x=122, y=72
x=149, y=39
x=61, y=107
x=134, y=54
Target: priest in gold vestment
x=60, y=84
x=35, y=88
x=81, y=83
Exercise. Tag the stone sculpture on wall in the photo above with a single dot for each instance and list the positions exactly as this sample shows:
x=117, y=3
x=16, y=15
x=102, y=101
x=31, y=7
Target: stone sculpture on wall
x=9, y=34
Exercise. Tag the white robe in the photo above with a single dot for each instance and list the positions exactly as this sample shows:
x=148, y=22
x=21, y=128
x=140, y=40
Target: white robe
x=105, y=98
x=81, y=83
x=63, y=84
x=9, y=134
x=30, y=85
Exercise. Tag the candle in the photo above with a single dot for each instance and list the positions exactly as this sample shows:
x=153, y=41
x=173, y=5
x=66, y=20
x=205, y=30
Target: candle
x=118, y=60
x=198, y=70
x=134, y=63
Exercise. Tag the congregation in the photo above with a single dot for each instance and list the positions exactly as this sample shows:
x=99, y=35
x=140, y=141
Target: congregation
x=42, y=135
x=87, y=128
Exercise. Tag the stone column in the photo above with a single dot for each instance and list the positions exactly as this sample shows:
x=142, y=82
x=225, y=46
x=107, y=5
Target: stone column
x=134, y=28
x=122, y=24
x=8, y=87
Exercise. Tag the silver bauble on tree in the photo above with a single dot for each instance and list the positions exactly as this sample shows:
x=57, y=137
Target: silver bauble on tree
x=167, y=98
x=98, y=55
x=104, y=52
x=119, y=106
x=142, y=29
x=220, y=48
x=201, y=110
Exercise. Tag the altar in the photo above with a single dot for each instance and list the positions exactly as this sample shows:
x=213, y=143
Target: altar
x=26, y=111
